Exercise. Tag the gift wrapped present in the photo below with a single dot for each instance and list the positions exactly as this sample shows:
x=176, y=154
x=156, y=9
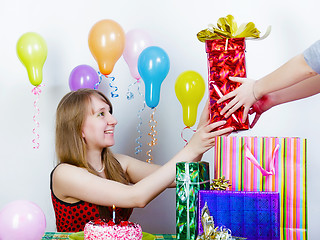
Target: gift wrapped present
x=190, y=178
x=276, y=164
x=225, y=47
x=251, y=215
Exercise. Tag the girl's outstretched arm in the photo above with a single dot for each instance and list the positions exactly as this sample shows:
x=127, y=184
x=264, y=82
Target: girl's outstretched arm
x=78, y=184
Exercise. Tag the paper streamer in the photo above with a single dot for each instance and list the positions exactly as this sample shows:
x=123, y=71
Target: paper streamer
x=152, y=134
x=182, y=134
x=36, y=91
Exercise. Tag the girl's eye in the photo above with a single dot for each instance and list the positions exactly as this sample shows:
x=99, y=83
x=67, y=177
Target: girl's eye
x=101, y=114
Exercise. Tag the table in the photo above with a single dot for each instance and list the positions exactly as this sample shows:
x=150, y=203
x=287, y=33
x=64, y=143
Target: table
x=65, y=236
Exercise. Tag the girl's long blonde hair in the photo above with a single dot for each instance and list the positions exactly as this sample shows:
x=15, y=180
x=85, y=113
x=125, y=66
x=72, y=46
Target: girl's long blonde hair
x=70, y=145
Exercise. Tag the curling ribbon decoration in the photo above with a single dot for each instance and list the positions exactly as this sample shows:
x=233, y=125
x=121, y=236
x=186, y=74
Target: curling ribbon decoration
x=130, y=94
x=112, y=86
x=228, y=28
x=152, y=134
x=36, y=91
x=96, y=86
x=113, y=92
x=182, y=134
x=138, y=148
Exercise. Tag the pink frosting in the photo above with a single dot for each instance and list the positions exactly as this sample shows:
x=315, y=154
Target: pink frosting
x=105, y=231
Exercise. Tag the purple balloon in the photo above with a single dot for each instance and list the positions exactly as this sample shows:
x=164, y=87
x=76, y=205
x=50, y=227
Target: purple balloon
x=83, y=76
x=22, y=219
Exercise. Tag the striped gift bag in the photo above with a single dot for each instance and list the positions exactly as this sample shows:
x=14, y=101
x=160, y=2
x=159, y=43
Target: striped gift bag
x=269, y=164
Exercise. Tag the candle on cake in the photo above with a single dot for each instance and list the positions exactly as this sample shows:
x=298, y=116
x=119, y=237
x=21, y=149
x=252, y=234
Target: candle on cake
x=114, y=213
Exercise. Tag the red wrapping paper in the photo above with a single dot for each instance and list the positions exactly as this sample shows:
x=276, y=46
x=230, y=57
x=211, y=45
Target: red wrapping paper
x=226, y=57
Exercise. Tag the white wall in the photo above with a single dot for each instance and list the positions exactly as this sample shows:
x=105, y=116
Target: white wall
x=173, y=25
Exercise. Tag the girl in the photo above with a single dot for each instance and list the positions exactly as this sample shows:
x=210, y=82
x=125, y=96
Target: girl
x=90, y=179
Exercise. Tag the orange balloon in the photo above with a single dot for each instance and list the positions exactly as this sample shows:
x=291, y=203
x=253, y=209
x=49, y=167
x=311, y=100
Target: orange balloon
x=106, y=43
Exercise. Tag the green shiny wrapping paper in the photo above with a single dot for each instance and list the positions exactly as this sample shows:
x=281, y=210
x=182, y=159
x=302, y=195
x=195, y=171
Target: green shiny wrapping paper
x=190, y=178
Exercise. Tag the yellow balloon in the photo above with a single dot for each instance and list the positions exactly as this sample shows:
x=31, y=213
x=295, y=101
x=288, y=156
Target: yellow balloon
x=189, y=88
x=32, y=52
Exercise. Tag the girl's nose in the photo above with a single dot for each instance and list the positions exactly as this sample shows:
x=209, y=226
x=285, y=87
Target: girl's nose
x=112, y=120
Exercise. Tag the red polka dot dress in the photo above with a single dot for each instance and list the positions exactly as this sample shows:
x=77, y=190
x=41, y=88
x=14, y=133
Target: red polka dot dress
x=72, y=217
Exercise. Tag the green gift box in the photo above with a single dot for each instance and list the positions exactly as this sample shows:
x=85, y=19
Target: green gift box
x=190, y=178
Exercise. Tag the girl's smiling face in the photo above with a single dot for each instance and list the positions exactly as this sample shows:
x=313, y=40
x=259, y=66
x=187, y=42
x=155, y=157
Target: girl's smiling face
x=99, y=124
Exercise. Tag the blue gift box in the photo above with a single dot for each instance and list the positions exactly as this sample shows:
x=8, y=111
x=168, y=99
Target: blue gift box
x=252, y=215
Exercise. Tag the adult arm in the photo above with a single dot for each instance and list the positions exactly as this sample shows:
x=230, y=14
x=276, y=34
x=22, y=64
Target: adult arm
x=297, y=69
x=304, y=89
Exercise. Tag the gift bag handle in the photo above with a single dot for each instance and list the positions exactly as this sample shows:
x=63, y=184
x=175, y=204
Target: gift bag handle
x=251, y=158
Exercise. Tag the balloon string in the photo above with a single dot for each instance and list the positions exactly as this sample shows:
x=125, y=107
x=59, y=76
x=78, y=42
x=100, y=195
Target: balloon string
x=113, y=93
x=140, y=123
x=182, y=134
x=36, y=91
x=130, y=94
x=152, y=134
x=96, y=86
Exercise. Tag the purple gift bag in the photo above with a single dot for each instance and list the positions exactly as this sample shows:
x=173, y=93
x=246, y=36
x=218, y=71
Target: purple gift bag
x=251, y=215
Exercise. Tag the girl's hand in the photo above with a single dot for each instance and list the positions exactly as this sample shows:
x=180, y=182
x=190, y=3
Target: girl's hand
x=205, y=115
x=242, y=96
x=204, y=138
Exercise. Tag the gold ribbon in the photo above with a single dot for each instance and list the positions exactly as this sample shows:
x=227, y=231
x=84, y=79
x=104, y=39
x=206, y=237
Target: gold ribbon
x=220, y=184
x=228, y=28
x=209, y=230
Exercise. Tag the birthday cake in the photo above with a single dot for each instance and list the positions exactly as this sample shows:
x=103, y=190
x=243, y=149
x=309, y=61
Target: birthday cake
x=101, y=230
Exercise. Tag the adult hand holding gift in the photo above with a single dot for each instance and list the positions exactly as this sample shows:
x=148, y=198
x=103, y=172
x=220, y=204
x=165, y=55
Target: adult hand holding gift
x=298, y=78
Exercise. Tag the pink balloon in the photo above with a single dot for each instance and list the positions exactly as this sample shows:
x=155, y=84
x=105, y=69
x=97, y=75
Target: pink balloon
x=136, y=41
x=22, y=219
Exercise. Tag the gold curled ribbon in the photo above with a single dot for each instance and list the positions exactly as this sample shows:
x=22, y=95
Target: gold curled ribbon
x=228, y=28
x=220, y=184
x=152, y=134
x=210, y=231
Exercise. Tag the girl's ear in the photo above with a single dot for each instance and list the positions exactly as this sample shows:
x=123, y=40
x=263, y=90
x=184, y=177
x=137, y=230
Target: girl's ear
x=83, y=135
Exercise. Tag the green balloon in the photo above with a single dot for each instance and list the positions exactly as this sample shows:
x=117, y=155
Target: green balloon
x=32, y=52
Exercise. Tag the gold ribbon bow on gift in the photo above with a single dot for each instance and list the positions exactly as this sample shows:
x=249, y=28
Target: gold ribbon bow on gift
x=209, y=230
x=228, y=28
x=220, y=184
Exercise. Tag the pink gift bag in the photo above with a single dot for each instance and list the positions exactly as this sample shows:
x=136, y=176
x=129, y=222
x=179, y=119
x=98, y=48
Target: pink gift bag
x=275, y=164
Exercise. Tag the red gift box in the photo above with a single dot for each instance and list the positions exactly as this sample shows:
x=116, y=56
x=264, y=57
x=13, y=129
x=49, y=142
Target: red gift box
x=226, y=57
